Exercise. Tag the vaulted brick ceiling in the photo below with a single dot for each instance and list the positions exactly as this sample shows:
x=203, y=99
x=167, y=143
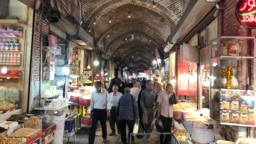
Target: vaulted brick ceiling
x=132, y=40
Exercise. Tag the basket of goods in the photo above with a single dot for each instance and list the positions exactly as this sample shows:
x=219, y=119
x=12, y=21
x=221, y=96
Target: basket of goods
x=9, y=140
x=6, y=106
x=27, y=135
x=34, y=122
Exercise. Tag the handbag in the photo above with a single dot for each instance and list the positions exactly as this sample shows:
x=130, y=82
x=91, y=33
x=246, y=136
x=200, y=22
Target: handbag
x=172, y=99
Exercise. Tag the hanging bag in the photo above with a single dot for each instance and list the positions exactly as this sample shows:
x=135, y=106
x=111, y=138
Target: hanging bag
x=172, y=99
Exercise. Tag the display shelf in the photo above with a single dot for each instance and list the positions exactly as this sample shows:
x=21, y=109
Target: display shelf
x=232, y=68
x=9, y=37
x=7, y=77
x=240, y=125
x=236, y=57
x=46, y=108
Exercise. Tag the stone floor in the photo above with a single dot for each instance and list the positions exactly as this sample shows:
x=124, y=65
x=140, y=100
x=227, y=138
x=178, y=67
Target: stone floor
x=81, y=137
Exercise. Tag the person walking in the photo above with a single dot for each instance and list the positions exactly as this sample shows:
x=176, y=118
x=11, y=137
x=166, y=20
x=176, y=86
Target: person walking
x=114, y=99
x=100, y=110
x=135, y=90
x=165, y=112
x=147, y=104
x=128, y=115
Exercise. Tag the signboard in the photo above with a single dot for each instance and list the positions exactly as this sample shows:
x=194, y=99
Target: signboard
x=88, y=73
x=188, y=53
x=246, y=12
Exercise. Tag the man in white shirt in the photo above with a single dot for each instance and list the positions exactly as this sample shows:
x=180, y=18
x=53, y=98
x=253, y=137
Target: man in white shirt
x=165, y=112
x=114, y=99
x=100, y=110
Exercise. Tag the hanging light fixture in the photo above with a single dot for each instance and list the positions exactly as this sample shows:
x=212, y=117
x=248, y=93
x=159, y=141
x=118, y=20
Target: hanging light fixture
x=129, y=14
x=96, y=63
x=154, y=4
x=88, y=67
x=94, y=22
x=110, y=20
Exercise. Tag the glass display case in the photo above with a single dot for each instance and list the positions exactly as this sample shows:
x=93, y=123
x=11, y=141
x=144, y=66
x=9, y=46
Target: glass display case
x=232, y=100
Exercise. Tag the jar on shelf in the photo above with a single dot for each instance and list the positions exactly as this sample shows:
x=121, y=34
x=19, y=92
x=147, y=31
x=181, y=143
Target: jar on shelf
x=224, y=49
x=233, y=49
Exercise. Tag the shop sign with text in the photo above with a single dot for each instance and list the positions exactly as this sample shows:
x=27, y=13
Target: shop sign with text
x=246, y=12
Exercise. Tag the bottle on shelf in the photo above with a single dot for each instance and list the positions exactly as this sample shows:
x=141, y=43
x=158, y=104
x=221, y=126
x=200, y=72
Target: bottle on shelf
x=223, y=79
x=234, y=81
x=229, y=76
x=224, y=50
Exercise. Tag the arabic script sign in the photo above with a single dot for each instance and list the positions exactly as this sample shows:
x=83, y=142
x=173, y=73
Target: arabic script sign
x=246, y=12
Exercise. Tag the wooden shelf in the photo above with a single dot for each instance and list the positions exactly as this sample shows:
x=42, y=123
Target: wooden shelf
x=10, y=64
x=6, y=77
x=11, y=51
x=5, y=37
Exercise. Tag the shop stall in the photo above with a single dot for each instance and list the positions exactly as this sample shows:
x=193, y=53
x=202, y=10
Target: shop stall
x=13, y=70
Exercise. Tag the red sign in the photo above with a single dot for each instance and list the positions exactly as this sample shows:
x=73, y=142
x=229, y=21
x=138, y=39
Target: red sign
x=246, y=12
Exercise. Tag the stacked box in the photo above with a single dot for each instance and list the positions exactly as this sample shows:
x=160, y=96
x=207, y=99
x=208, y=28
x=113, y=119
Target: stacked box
x=69, y=125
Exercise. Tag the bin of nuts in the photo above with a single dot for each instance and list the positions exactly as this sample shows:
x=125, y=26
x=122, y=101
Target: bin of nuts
x=9, y=140
x=27, y=135
x=34, y=122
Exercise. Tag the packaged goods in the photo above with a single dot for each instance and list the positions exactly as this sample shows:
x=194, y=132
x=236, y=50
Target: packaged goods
x=225, y=116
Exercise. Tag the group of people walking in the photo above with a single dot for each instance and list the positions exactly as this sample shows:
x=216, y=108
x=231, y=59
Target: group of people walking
x=139, y=104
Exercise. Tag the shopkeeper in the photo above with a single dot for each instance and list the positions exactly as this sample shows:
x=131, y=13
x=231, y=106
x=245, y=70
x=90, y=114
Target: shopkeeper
x=100, y=110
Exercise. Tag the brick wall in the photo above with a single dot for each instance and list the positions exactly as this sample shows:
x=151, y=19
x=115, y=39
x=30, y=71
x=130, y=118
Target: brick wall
x=230, y=22
x=41, y=29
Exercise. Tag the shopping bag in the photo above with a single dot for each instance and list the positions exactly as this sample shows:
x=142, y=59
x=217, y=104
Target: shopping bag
x=136, y=128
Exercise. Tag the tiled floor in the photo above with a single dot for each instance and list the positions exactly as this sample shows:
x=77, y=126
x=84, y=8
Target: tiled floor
x=81, y=137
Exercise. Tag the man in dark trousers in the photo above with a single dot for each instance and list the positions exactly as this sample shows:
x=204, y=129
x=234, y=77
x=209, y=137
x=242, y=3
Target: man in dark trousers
x=100, y=110
x=128, y=114
x=114, y=99
x=165, y=112
x=147, y=103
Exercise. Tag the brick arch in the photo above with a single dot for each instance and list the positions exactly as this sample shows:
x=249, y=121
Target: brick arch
x=132, y=44
x=105, y=8
x=133, y=50
x=119, y=40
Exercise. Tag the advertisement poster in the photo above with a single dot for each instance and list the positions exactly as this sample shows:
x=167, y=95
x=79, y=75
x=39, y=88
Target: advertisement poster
x=187, y=78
